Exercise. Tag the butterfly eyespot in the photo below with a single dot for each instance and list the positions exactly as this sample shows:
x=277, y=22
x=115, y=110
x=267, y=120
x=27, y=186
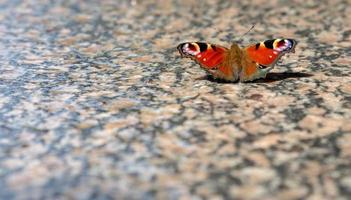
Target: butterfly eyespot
x=192, y=47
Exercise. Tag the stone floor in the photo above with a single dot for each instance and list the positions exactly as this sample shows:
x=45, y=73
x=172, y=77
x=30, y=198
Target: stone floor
x=96, y=103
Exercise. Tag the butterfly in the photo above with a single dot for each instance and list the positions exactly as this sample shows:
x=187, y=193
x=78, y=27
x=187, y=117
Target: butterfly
x=237, y=64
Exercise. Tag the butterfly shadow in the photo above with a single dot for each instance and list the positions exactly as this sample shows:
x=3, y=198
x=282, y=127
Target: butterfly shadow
x=271, y=77
x=276, y=76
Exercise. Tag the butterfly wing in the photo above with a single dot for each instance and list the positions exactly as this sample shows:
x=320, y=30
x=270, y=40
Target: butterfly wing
x=267, y=53
x=210, y=57
x=260, y=58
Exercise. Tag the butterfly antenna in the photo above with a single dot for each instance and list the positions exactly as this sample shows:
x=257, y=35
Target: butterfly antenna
x=252, y=27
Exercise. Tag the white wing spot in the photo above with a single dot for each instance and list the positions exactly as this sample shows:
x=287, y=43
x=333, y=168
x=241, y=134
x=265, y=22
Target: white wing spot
x=204, y=59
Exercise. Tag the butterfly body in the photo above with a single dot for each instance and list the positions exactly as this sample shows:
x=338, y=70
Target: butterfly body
x=235, y=63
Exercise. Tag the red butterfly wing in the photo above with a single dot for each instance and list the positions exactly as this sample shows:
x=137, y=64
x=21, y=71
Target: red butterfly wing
x=267, y=53
x=211, y=57
x=207, y=55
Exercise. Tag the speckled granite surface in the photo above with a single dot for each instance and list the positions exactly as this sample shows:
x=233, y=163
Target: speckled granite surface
x=95, y=102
